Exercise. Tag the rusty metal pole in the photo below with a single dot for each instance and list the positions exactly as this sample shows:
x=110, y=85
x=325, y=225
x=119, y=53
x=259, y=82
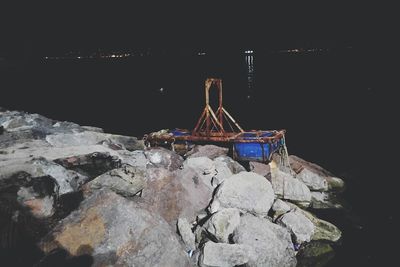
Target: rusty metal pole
x=207, y=89
x=221, y=118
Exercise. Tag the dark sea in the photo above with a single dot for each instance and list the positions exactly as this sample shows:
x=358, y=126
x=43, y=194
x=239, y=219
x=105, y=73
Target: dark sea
x=336, y=104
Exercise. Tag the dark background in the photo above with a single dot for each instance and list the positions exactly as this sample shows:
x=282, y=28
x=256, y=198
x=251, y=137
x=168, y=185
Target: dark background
x=339, y=106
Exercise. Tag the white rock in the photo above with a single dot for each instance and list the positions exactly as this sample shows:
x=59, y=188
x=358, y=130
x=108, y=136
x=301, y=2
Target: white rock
x=246, y=191
x=299, y=225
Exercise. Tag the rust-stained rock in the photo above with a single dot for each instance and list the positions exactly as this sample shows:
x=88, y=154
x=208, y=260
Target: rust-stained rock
x=117, y=232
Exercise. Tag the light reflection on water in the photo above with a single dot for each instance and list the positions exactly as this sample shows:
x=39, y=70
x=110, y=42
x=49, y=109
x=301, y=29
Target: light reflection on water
x=250, y=74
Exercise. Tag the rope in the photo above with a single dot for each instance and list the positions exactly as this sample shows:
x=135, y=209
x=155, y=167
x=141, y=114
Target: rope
x=284, y=160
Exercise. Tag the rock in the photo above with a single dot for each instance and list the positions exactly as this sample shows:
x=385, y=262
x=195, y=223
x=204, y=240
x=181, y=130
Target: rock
x=335, y=184
x=201, y=165
x=324, y=231
x=246, y=191
x=315, y=254
x=135, y=158
x=260, y=168
x=316, y=173
x=41, y=207
x=222, y=172
x=270, y=242
x=176, y=194
x=186, y=233
x=1, y=129
x=233, y=165
x=312, y=180
x=300, y=226
x=38, y=196
x=324, y=200
x=91, y=165
x=117, y=232
x=222, y=224
x=67, y=180
x=161, y=157
x=209, y=151
x=279, y=207
x=298, y=163
x=126, y=181
x=91, y=138
x=204, y=168
x=287, y=187
x=17, y=121
x=218, y=254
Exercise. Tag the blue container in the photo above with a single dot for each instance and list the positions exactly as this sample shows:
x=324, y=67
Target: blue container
x=255, y=151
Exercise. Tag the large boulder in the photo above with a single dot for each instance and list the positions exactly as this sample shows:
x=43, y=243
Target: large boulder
x=209, y=151
x=271, y=243
x=299, y=225
x=222, y=224
x=126, y=181
x=289, y=188
x=135, y=158
x=246, y=191
x=118, y=232
x=176, y=194
x=203, y=167
x=233, y=165
x=324, y=231
x=162, y=157
x=314, y=181
x=315, y=176
x=219, y=254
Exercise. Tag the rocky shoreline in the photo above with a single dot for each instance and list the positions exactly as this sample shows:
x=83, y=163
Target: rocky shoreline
x=73, y=195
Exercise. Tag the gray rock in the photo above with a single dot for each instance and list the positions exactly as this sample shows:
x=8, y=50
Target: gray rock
x=176, y=194
x=126, y=181
x=204, y=168
x=316, y=254
x=270, y=242
x=324, y=200
x=135, y=158
x=246, y=191
x=316, y=174
x=222, y=224
x=161, y=157
x=324, y=231
x=186, y=233
x=287, y=187
x=279, y=207
x=40, y=207
x=335, y=184
x=209, y=151
x=300, y=226
x=92, y=138
x=117, y=232
x=312, y=180
x=223, y=172
x=260, y=168
x=67, y=180
x=224, y=255
x=233, y=165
